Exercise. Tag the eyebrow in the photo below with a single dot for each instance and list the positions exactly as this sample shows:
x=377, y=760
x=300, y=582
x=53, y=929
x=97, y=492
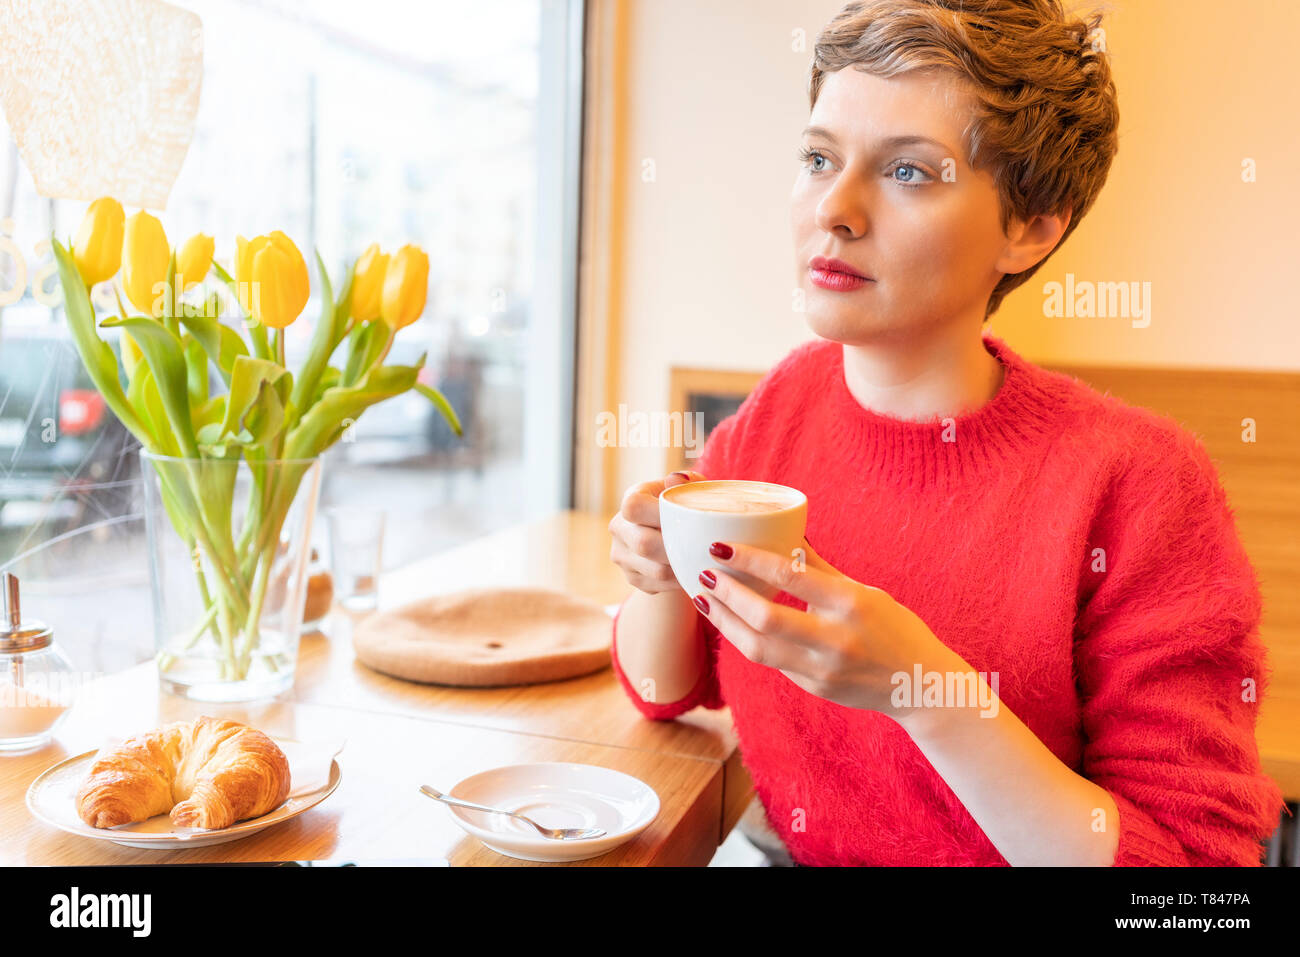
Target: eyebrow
x=890, y=142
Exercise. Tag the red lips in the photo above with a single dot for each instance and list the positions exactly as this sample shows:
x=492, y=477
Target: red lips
x=836, y=265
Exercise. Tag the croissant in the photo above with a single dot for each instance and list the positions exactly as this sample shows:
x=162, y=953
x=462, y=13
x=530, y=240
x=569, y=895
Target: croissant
x=208, y=773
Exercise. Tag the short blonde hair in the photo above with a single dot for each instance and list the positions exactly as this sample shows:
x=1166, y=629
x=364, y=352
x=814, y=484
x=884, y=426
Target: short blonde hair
x=1046, y=116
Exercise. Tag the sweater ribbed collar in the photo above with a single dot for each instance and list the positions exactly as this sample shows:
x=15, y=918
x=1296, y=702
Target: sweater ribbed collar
x=1025, y=410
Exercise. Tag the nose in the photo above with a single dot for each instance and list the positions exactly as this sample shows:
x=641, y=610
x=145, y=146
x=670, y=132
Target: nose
x=843, y=210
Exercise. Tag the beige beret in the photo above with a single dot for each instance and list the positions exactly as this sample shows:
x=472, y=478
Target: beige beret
x=487, y=636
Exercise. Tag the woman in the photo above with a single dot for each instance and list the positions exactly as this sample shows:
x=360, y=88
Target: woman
x=969, y=512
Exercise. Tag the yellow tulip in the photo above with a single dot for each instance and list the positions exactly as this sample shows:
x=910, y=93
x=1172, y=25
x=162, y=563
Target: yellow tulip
x=244, y=250
x=368, y=284
x=285, y=244
x=97, y=249
x=145, y=255
x=406, y=283
x=194, y=259
x=279, y=276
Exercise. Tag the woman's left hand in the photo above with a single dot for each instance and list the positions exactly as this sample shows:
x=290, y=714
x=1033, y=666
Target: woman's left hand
x=847, y=647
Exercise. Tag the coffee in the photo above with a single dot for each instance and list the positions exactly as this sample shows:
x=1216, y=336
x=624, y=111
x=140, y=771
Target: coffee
x=738, y=497
x=694, y=515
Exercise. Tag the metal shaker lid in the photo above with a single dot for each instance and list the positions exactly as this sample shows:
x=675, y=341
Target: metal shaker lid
x=17, y=634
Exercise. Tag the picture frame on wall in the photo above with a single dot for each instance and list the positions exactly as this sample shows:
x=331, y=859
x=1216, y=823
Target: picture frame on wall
x=713, y=394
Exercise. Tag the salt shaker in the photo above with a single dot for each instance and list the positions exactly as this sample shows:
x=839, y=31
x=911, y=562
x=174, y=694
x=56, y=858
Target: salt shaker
x=35, y=677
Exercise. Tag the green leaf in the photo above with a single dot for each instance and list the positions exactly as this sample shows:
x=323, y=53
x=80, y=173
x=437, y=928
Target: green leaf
x=169, y=304
x=175, y=502
x=343, y=308
x=152, y=410
x=340, y=406
x=328, y=380
x=322, y=344
x=209, y=412
x=96, y=354
x=219, y=341
x=216, y=487
x=166, y=359
x=360, y=350
x=208, y=438
x=196, y=365
x=215, y=443
x=247, y=381
x=135, y=395
x=266, y=415
x=129, y=359
x=443, y=406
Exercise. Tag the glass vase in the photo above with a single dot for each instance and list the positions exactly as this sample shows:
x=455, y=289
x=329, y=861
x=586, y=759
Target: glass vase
x=229, y=546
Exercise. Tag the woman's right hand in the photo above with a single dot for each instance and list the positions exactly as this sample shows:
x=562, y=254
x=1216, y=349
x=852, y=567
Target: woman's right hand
x=638, y=547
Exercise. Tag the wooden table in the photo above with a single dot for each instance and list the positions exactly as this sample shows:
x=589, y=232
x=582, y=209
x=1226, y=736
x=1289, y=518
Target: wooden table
x=401, y=734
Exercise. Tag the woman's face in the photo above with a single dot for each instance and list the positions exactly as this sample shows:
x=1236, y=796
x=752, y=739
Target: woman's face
x=908, y=214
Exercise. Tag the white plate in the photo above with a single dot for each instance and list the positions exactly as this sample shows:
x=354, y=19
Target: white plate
x=52, y=799
x=555, y=794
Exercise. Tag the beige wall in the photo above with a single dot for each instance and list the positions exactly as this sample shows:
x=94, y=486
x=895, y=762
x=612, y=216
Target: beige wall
x=716, y=97
x=1202, y=86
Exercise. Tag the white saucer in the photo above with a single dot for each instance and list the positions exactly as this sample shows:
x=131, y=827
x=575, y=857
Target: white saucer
x=555, y=794
x=52, y=799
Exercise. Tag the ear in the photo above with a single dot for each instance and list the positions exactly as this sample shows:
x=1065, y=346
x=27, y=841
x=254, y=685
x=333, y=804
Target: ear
x=1030, y=241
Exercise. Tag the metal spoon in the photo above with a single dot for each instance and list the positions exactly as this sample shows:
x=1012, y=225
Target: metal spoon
x=555, y=833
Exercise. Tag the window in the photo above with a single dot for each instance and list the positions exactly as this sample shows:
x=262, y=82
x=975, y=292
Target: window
x=453, y=126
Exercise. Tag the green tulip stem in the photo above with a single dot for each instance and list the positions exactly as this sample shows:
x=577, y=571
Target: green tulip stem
x=255, y=524
x=228, y=602
x=209, y=618
x=251, y=629
x=230, y=588
x=257, y=336
x=246, y=536
x=227, y=643
x=388, y=344
x=281, y=493
x=171, y=306
x=166, y=659
x=256, y=331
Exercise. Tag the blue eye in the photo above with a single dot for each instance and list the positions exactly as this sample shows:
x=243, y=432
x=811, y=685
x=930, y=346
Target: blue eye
x=912, y=178
x=805, y=155
x=915, y=176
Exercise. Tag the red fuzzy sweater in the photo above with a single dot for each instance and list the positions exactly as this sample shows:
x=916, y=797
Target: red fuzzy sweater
x=1080, y=547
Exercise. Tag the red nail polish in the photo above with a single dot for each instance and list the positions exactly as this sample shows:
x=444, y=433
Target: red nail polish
x=719, y=550
x=708, y=579
x=701, y=604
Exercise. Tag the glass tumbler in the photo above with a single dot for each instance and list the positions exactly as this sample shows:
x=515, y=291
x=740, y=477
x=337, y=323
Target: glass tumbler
x=356, y=539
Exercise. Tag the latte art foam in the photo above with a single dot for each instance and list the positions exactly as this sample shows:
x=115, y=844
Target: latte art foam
x=738, y=498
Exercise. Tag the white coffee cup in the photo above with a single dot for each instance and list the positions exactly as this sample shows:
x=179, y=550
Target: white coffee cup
x=694, y=515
